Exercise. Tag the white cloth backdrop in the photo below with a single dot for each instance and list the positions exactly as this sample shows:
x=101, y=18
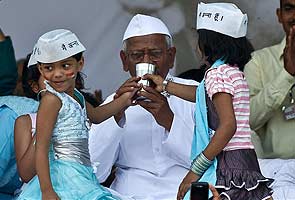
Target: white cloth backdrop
x=100, y=25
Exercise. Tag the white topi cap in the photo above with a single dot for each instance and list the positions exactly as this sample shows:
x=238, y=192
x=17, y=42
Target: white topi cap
x=225, y=18
x=54, y=46
x=141, y=25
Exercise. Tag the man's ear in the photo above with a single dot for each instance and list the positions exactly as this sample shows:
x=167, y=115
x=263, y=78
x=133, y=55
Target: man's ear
x=171, y=52
x=279, y=15
x=124, y=60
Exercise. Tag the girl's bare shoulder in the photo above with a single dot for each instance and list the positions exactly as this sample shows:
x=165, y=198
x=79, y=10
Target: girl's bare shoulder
x=23, y=120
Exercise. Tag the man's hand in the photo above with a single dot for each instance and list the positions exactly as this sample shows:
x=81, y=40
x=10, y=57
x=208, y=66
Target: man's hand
x=214, y=192
x=186, y=184
x=128, y=86
x=49, y=195
x=289, y=52
x=158, y=106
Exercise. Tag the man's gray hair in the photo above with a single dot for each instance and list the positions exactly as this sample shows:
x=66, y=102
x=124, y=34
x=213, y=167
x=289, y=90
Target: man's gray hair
x=168, y=39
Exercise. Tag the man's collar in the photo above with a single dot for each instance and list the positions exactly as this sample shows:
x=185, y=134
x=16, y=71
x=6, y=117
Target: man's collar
x=168, y=76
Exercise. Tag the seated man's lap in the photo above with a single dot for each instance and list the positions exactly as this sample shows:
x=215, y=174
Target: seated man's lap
x=283, y=172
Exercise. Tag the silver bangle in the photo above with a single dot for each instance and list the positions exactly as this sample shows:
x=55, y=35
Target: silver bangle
x=164, y=85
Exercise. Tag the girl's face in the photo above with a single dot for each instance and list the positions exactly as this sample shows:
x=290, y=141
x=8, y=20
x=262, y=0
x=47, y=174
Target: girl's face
x=286, y=14
x=61, y=75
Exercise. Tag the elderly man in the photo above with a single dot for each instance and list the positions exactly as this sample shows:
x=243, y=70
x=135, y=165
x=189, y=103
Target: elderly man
x=271, y=78
x=149, y=143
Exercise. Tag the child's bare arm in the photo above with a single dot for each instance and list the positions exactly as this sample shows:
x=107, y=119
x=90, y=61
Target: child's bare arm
x=24, y=148
x=46, y=119
x=103, y=112
x=223, y=134
x=187, y=92
x=227, y=125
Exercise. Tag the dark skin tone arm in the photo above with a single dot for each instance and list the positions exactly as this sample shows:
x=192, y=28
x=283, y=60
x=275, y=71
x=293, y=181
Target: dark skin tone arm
x=222, y=103
x=46, y=119
x=225, y=131
x=103, y=112
x=24, y=148
x=130, y=85
x=227, y=128
x=224, y=108
x=227, y=124
x=186, y=92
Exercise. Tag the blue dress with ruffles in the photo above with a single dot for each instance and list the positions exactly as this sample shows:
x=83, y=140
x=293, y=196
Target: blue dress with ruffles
x=71, y=173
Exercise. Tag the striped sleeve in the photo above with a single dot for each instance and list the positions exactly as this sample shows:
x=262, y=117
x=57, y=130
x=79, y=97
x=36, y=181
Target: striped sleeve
x=219, y=80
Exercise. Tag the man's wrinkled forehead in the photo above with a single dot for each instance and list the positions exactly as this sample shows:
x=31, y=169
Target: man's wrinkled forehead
x=151, y=41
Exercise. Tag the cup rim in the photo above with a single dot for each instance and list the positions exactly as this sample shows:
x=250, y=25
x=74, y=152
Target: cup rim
x=149, y=66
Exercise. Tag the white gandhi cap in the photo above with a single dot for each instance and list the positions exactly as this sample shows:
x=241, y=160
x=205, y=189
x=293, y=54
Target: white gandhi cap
x=225, y=18
x=54, y=46
x=141, y=25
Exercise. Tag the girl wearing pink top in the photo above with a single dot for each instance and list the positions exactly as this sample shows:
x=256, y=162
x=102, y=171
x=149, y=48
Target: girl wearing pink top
x=236, y=175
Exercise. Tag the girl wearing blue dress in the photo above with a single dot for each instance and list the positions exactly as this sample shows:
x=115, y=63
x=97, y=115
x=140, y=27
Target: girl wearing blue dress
x=62, y=158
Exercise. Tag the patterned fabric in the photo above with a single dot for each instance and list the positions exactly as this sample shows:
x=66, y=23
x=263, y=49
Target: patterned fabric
x=72, y=120
x=239, y=176
x=10, y=108
x=20, y=105
x=229, y=79
x=9, y=181
x=70, y=179
x=202, y=135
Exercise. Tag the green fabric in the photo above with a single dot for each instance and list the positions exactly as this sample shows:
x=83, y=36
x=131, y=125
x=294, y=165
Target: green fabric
x=8, y=68
x=80, y=97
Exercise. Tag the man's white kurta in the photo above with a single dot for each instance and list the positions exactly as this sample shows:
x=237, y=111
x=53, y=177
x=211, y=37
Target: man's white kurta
x=151, y=161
